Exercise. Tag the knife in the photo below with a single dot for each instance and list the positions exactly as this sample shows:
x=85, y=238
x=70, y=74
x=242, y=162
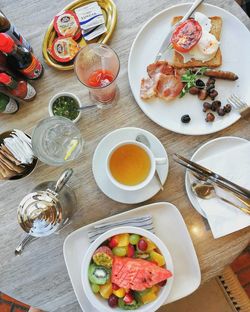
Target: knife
x=212, y=176
x=166, y=42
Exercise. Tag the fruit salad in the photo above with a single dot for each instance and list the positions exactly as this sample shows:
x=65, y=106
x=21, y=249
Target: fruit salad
x=128, y=270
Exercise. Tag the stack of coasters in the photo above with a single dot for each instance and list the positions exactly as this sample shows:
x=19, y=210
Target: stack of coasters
x=91, y=20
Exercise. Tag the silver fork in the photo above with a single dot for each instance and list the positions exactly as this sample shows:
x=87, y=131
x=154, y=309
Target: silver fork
x=242, y=107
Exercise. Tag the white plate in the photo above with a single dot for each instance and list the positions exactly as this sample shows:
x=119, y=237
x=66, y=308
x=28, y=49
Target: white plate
x=235, y=47
x=101, y=178
x=169, y=227
x=206, y=150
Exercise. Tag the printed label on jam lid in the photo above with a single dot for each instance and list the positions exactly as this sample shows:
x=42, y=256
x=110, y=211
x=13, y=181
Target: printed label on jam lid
x=67, y=25
x=34, y=70
x=64, y=49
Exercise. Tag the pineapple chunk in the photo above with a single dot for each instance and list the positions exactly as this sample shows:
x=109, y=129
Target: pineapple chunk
x=120, y=293
x=106, y=290
x=158, y=258
x=122, y=239
x=148, y=297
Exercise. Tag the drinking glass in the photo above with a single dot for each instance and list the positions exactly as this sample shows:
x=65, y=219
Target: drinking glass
x=56, y=140
x=97, y=67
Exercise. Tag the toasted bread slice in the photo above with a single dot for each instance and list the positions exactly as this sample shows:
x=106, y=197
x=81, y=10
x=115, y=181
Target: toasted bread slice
x=216, y=22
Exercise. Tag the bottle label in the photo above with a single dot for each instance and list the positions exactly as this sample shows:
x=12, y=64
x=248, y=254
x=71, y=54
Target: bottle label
x=11, y=107
x=16, y=36
x=34, y=70
x=31, y=92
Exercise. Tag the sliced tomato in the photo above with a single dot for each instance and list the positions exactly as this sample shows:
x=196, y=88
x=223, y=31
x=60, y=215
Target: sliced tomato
x=186, y=35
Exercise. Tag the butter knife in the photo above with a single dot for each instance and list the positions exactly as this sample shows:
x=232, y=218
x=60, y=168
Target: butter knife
x=166, y=41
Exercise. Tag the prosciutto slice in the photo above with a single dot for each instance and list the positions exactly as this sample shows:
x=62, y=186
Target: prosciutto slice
x=160, y=67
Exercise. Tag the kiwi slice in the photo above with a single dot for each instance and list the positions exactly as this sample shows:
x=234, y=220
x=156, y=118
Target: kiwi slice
x=98, y=274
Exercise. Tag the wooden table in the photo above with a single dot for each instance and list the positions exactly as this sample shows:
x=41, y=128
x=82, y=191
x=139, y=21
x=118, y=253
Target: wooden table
x=39, y=277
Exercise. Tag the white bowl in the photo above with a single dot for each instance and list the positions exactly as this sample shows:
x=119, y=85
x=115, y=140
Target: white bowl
x=56, y=96
x=102, y=304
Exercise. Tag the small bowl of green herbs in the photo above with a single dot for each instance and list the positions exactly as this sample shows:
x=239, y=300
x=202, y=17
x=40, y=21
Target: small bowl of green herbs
x=65, y=104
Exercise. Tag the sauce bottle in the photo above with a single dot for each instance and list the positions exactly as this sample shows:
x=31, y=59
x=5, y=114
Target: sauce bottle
x=9, y=29
x=20, y=58
x=8, y=105
x=19, y=88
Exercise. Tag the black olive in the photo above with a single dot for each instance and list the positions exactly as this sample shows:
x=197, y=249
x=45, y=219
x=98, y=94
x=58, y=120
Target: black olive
x=200, y=84
x=185, y=118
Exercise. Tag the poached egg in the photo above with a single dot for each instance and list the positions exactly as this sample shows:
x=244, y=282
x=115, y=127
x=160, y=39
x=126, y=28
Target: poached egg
x=207, y=46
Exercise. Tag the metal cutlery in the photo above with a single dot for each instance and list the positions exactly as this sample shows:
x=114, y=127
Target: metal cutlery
x=212, y=176
x=145, y=222
x=144, y=140
x=166, y=43
x=241, y=106
x=208, y=191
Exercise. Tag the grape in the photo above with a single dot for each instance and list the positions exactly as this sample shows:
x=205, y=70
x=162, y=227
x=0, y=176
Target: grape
x=142, y=245
x=95, y=288
x=134, y=239
x=113, y=301
x=119, y=251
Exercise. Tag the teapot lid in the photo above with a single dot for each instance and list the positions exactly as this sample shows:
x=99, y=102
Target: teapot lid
x=39, y=213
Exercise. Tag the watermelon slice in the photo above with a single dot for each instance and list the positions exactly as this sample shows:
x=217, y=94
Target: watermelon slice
x=137, y=274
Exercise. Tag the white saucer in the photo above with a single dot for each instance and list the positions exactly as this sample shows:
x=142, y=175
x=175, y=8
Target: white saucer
x=101, y=178
x=206, y=150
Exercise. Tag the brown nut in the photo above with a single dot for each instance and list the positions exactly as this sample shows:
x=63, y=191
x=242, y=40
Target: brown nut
x=215, y=105
x=227, y=108
x=206, y=106
x=210, y=117
x=213, y=94
x=221, y=112
x=193, y=90
x=202, y=94
x=210, y=81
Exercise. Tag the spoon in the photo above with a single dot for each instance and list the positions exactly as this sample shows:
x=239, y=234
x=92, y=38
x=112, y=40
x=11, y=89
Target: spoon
x=144, y=140
x=207, y=191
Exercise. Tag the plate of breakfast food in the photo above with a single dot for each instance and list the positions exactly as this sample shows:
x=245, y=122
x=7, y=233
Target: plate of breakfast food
x=186, y=91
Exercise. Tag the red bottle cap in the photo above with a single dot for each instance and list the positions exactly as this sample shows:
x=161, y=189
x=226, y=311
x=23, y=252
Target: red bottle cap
x=7, y=44
x=5, y=79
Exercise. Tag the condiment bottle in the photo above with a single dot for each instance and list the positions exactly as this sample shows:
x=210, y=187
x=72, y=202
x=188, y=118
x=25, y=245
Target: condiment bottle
x=10, y=29
x=19, y=88
x=20, y=58
x=8, y=105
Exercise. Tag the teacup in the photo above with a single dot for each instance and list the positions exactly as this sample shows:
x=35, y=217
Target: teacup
x=130, y=165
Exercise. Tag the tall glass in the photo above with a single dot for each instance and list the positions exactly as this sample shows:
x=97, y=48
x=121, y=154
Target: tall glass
x=56, y=140
x=97, y=67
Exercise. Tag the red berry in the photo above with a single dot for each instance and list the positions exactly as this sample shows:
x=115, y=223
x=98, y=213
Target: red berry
x=163, y=283
x=113, y=301
x=113, y=242
x=131, y=251
x=115, y=287
x=128, y=298
x=142, y=245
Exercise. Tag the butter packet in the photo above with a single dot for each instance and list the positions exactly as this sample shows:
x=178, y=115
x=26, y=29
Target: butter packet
x=94, y=32
x=90, y=16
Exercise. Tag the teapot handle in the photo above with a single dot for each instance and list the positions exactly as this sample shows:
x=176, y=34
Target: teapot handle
x=63, y=179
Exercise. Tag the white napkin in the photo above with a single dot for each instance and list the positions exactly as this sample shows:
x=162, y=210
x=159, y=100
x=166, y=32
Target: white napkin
x=232, y=163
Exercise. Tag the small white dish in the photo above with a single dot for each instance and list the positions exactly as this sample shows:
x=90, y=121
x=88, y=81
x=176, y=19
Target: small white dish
x=99, y=166
x=56, y=96
x=100, y=303
x=208, y=149
x=169, y=227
